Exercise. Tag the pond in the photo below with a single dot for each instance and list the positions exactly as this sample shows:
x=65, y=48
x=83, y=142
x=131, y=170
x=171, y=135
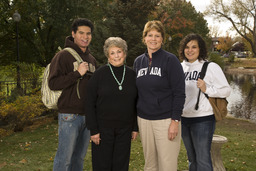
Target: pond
x=242, y=101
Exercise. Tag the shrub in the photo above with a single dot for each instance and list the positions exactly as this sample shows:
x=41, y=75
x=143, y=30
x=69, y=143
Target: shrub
x=2, y=97
x=215, y=57
x=22, y=111
x=231, y=58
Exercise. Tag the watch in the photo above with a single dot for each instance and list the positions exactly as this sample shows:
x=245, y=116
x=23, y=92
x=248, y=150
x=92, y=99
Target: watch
x=176, y=120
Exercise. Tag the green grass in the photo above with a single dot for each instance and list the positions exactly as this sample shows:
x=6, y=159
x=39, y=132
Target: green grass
x=34, y=149
x=244, y=62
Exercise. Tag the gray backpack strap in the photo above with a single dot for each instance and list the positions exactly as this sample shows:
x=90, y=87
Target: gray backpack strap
x=74, y=54
x=79, y=60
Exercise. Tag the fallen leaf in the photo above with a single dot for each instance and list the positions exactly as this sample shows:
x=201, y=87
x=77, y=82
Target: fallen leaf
x=3, y=164
x=27, y=145
x=23, y=161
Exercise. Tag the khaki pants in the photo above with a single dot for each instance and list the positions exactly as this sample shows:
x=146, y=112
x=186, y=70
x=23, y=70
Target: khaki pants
x=160, y=153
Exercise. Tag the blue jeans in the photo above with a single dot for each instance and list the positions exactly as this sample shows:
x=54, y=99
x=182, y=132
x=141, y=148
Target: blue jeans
x=197, y=138
x=74, y=139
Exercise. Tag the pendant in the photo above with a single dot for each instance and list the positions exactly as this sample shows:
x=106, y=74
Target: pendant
x=120, y=88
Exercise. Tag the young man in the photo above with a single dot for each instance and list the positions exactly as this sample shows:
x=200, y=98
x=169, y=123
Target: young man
x=64, y=75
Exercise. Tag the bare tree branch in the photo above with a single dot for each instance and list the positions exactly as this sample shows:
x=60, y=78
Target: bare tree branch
x=240, y=14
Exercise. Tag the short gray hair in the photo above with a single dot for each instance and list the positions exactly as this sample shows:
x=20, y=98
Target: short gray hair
x=115, y=42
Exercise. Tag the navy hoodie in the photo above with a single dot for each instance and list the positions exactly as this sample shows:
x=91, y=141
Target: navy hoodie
x=161, y=86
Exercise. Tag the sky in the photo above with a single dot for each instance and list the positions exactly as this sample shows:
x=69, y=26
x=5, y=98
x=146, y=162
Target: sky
x=200, y=6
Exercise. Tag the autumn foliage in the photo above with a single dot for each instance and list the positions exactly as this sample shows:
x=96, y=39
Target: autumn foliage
x=179, y=19
x=225, y=44
x=21, y=112
x=178, y=22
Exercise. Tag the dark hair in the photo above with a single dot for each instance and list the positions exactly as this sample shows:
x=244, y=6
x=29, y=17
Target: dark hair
x=81, y=22
x=201, y=45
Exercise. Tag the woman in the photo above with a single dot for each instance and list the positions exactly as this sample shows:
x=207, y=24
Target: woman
x=111, y=109
x=161, y=96
x=198, y=125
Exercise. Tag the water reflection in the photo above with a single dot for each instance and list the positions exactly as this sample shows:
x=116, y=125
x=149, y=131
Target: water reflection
x=242, y=101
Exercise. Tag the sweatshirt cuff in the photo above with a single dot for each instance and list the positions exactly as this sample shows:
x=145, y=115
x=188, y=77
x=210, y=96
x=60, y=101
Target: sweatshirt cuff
x=207, y=89
x=176, y=116
x=77, y=74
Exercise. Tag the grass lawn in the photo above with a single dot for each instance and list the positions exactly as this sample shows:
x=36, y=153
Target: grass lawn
x=34, y=148
x=244, y=62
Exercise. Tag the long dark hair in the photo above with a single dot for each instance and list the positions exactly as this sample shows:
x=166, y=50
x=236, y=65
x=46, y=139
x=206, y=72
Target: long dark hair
x=201, y=44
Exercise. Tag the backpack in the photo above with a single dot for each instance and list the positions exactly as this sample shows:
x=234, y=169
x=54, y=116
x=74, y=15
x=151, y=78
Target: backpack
x=50, y=97
x=219, y=105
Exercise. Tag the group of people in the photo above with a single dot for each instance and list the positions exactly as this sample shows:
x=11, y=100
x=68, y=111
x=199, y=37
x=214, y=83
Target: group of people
x=156, y=98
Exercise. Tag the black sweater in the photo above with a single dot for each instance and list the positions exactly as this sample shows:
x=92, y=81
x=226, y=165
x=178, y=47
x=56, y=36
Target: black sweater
x=106, y=105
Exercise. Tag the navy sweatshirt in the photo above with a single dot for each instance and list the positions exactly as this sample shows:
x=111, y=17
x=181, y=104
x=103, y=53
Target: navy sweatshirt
x=161, y=86
x=106, y=105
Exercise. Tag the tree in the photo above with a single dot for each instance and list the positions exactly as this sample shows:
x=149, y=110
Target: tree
x=125, y=19
x=214, y=31
x=45, y=24
x=225, y=44
x=247, y=44
x=43, y=27
x=180, y=18
x=241, y=14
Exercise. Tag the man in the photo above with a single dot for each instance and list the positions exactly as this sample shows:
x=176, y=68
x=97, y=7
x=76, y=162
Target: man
x=67, y=75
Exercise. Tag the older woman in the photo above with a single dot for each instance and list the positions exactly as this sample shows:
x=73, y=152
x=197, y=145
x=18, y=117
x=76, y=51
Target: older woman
x=198, y=125
x=161, y=91
x=111, y=109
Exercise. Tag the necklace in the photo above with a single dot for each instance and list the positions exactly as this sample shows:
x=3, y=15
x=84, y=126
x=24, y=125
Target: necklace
x=120, y=84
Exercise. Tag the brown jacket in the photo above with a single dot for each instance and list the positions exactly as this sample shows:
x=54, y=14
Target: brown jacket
x=64, y=76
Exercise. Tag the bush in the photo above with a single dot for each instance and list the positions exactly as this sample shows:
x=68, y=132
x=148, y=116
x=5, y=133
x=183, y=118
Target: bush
x=2, y=97
x=231, y=58
x=215, y=57
x=22, y=111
